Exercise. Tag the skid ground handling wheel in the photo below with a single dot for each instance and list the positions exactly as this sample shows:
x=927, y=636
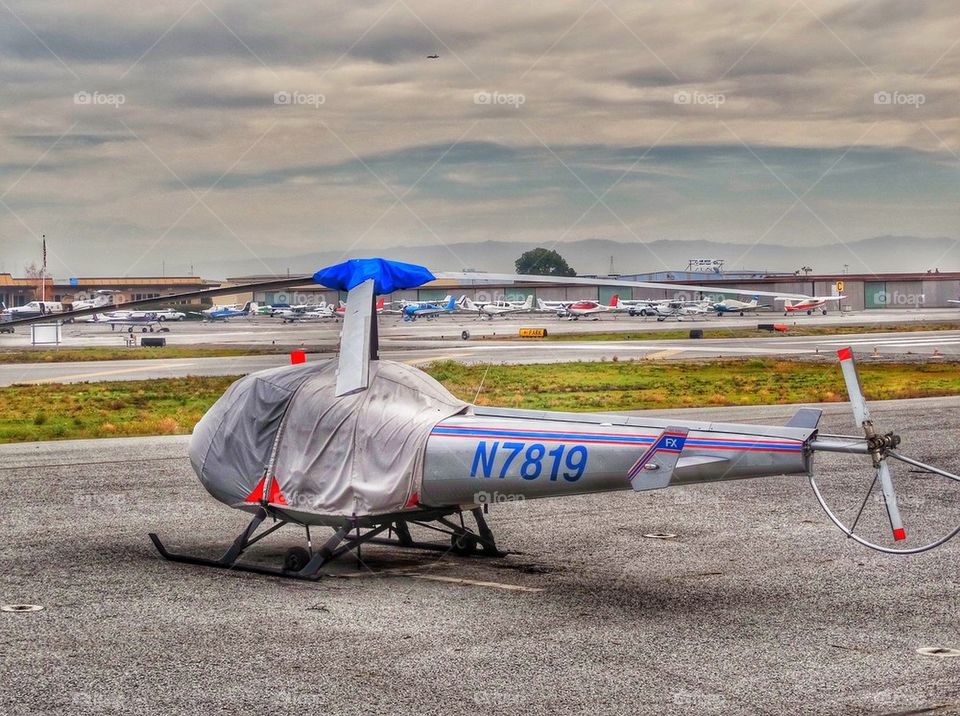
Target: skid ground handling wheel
x=308, y=563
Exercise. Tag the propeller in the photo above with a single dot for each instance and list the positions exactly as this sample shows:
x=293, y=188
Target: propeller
x=878, y=445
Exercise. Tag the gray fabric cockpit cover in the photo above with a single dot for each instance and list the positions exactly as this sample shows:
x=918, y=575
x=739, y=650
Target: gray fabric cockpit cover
x=359, y=454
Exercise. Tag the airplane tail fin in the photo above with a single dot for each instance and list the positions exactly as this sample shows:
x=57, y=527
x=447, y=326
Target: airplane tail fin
x=615, y=300
x=654, y=469
x=451, y=303
x=380, y=303
x=528, y=304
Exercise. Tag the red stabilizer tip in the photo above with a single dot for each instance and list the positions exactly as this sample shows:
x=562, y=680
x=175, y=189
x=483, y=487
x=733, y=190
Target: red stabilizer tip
x=845, y=354
x=899, y=534
x=298, y=357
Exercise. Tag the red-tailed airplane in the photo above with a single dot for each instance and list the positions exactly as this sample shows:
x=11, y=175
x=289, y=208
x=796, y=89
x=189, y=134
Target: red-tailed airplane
x=807, y=305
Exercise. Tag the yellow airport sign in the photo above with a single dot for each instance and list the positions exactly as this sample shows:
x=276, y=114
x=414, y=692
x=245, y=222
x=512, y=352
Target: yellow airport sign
x=533, y=332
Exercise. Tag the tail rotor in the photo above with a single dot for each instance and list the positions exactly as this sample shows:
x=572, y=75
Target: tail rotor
x=881, y=448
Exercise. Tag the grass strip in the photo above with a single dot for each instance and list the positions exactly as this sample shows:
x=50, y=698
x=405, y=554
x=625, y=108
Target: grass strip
x=172, y=406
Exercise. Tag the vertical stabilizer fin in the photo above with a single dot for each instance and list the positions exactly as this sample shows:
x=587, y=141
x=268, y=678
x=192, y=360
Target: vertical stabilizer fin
x=654, y=469
x=357, y=341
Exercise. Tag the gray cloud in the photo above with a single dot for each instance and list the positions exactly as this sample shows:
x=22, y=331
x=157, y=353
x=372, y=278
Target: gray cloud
x=199, y=161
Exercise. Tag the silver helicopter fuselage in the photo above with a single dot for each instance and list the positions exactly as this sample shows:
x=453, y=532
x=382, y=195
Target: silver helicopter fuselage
x=494, y=455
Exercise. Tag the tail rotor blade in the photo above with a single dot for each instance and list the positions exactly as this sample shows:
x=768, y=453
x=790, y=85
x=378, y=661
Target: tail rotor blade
x=854, y=391
x=861, y=414
x=890, y=501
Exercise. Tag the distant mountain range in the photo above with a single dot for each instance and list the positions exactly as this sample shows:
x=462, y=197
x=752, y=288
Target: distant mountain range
x=881, y=254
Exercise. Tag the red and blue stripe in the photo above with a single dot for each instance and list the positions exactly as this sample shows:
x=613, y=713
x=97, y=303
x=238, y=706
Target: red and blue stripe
x=594, y=438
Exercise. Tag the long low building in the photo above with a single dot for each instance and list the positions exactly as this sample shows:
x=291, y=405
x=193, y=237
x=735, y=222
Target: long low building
x=20, y=291
x=862, y=291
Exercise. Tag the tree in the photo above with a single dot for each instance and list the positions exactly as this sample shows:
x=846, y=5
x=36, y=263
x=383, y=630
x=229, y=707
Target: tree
x=543, y=262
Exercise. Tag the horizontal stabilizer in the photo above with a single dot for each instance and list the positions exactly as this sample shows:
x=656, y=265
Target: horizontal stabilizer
x=654, y=469
x=805, y=418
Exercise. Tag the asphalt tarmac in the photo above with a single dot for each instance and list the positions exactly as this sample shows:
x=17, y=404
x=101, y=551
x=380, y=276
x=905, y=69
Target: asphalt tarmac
x=756, y=606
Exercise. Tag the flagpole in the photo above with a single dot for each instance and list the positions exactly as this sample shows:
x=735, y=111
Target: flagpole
x=43, y=271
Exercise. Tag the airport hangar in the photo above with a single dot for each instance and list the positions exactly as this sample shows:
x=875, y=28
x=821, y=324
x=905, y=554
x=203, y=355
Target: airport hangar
x=862, y=291
x=20, y=291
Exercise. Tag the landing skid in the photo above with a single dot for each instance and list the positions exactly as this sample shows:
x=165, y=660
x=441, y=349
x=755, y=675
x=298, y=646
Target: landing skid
x=308, y=564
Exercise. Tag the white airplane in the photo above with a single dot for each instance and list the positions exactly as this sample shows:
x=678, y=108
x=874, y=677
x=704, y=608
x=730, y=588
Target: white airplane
x=732, y=305
x=146, y=320
x=316, y=312
x=675, y=309
x=102, y=298
x=552, y=306
x=34, y=309
x=575, y=309
x=223, y=313
x=809, y=305
x=665, y=307
x=498, y=308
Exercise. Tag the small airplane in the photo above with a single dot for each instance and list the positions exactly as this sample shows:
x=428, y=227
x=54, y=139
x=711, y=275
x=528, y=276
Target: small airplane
x=224, y=313
x=147, y=321
x=428, y=310
x=574, y=310
x=102, y=298
x=308, y=312
x=35, y=309
x=342, y=308
x=433, y=57
x=808, y=305
x=498, y=308
x=732, y=305
x=552, y=306
x=674, y=309
x=312, y=446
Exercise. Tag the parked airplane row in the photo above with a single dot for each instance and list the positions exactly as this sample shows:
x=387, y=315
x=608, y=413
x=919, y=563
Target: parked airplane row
x=662, y=309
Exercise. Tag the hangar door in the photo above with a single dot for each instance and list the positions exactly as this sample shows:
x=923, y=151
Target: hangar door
x=875, y=294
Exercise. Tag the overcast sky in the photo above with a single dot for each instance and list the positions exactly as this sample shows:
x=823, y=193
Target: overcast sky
x=140, y=132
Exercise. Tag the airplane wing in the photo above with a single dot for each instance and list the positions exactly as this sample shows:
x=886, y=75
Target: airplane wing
x=809, y=298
